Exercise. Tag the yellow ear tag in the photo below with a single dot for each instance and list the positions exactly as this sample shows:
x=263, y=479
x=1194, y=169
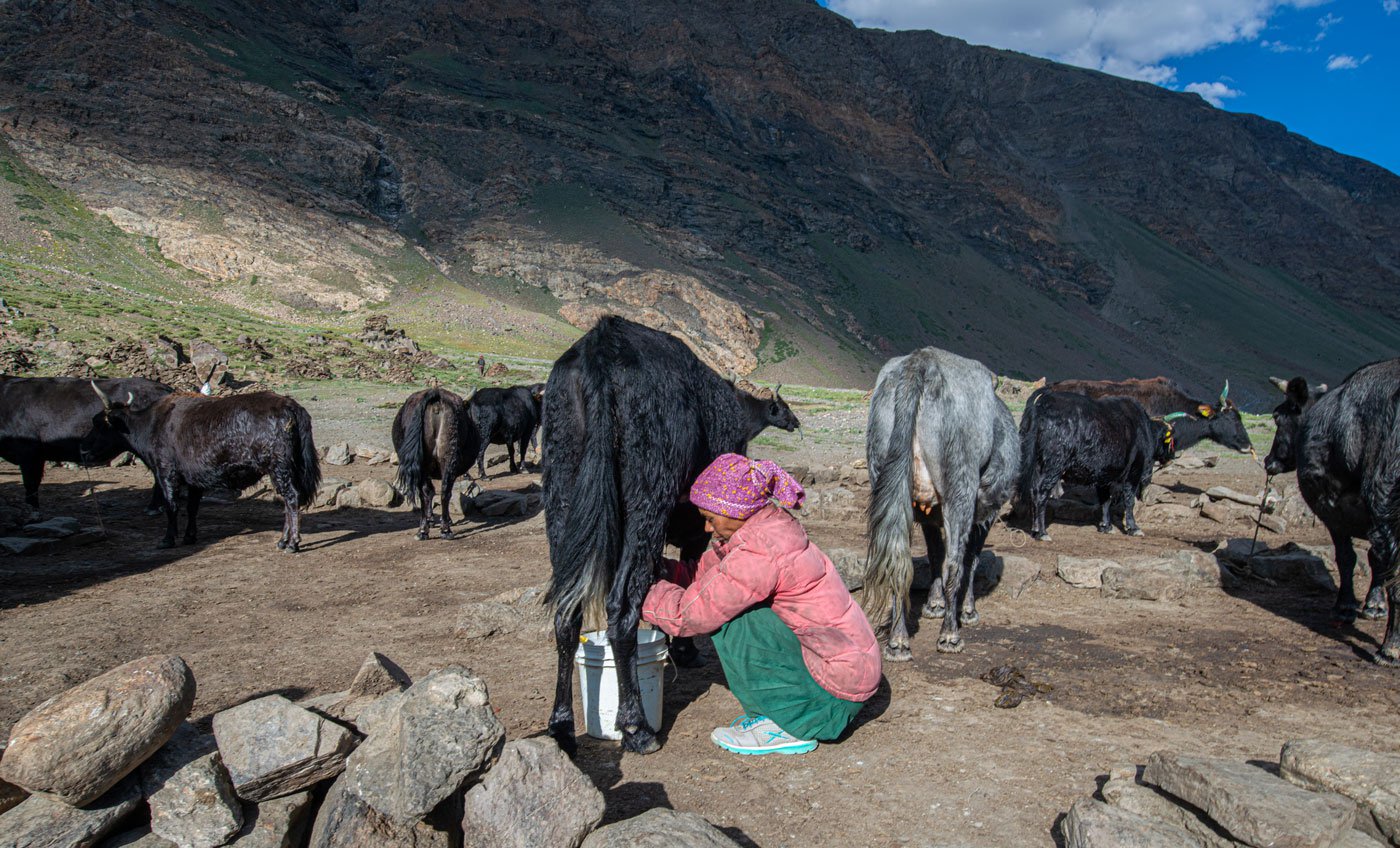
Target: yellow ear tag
x=1205, y=411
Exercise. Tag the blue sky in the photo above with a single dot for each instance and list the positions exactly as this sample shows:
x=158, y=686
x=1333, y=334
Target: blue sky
x=1327, y=69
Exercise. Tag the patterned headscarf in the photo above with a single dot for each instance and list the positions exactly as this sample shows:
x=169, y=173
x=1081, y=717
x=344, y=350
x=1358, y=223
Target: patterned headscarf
x=737, y=487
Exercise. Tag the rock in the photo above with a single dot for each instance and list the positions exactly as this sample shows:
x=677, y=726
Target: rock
x=497, y=503
x=364, y=451
x=1239, y=551
x=379, y=675
x=54, y=528
x=1094, y=824
x=1273, y=523
x=165, y=352
x=42, y=821
x=122, y=459
x=279, y=823
x=1166, y=512
x=346, y=821
x=329, y=491
x=272, y=747
x=1017, y=574
x=1296, y=511
x=424, y=744
x=533, y=796
x=210, y=363
x=513, y=611
x=31, y=545
x=1197, y=569
x=1125, y=791
x=339, y=454
x=139, y=838
x=376, y=493
x=191, y=798
x=850, y=564
x=660, y=828
x=1357, y=839
x=1252, y=805
x=77, y=745
x=1153, y=493
x=1293, y=566
x=1220, y=512
x=10, y=796
x=1146, y=584
x=1228, y=494
x=1186, y=463
x=1082, y=573
x=498, y=459
x=1369, y=778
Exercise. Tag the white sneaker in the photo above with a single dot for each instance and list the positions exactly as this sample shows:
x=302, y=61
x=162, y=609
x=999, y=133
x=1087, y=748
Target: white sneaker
x=752, y=735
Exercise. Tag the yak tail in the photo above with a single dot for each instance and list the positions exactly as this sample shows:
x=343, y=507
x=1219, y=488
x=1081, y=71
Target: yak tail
x=306, y=464
x=1028, y=450
x=588, y=545
x=410, y=478
x=889, y=569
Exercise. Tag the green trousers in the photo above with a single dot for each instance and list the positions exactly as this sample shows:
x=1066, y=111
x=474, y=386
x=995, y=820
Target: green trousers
x=762, y=661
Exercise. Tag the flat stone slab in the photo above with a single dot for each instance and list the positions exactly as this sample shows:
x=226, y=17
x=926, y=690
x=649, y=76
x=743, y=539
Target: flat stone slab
x=1094, y=824
x=189, y=792
x=533, y=796
x=54, y=528
x=1125, y=791
x=1369, y=778
x=1252, y=805
x=272, y=747
x=660, y=828
x=1227, y=494
x=41, y=821
x=78, y=744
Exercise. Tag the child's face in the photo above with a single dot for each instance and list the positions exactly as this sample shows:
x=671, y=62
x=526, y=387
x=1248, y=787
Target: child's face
x=721, y=525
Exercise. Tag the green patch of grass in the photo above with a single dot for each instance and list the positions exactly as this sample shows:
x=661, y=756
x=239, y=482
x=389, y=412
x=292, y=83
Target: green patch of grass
x=29, y=201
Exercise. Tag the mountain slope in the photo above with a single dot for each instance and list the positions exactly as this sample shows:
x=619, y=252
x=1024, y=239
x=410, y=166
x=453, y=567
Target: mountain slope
x=787, y=191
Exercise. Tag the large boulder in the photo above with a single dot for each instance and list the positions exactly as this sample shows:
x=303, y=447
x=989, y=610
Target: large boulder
x=77, y=745
x=41, y=821
x=1255, y=807
x=272, y=747
x=1082, y=572
x=1370, y=779
x=339, y=454
x=514, y=611
x=660, y=828
x=371, y=493
x=1094, y=824
x=346, y=821
x=1124, y=790
x=190, y=795
x=424, y=744
x=534, y=796
x=141, y=837
x=279, y=823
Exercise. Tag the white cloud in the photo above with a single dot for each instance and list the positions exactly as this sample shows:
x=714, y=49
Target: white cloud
x=1281, y=47
x=1390, y=6
x=1343, y=62
x=1214, y=93
x=1325, y=23
x=1129, y=38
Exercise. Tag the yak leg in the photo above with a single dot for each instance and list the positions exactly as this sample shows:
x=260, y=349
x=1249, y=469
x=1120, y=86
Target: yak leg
x=157, y=503
x=957, y=523
x=634, y=578
x=31, y=471
x=1104, y=496
x=1383, y=567
x=898, y=648
x=510, y=452
x=425, y=508
x=976, y=539
x=481, y=459
x=291, y=508
x=1345, y=609
x=1375, y=596
x=1130, y=496
x=192, y=498
x=686, y=530
x=1040, y=498
x=169, y=487
x=447, y=482
x=933, y=541
x=561, y=720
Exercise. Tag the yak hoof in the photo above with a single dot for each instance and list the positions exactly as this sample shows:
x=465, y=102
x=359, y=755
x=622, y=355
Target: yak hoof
x=950, y=643
x=1373, y=612
x=1042, y=537
x=422, y=535
x=188, y=540
x=448, y=534
x=1388, y=657
x=154, y=510
x=969, y=617
x=1106, y=528
x=640, y=741
x=564, y=737
x=166, y=543
x=931, y=611
x=293, y=547
x=686, y=655
x=898, y=653
x=1136, y=531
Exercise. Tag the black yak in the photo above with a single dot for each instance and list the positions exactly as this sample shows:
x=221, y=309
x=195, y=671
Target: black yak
x=1108, y=443
x=193, y=443
x=1345, y=445
x=1221, y=422
x=435, y=439
x=631, y=417
x=941, y=441
x=507, y=417
x=45, y=419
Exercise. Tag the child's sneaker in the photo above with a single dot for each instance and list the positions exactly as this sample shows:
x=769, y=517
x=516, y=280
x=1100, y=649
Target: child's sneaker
x=751, y=734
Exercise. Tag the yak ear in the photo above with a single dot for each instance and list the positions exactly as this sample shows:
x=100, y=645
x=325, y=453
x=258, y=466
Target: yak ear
x=1282, y=385
x=1298, y=391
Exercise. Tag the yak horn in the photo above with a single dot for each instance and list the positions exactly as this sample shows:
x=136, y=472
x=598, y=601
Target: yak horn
x=777, y=390
x=130, y=398
x=1282, y=384
x=1225, y=392
x=1320, y=388
x=106, y=401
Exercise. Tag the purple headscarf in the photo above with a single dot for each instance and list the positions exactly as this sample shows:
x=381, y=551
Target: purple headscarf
x=737, y=487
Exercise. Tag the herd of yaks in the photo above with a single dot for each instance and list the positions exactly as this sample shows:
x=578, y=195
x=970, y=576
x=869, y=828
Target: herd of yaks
x=629, y=417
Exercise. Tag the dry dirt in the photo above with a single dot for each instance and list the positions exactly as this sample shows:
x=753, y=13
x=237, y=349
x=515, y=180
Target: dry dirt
x=930, y=763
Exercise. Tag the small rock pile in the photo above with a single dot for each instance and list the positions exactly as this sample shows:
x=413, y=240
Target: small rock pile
x=47, y=536
x=341, y=453
x=1320, y=795
x=389, y=763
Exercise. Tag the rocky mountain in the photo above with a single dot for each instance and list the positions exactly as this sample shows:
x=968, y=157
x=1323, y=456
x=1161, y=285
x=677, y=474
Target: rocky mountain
x=790, y=193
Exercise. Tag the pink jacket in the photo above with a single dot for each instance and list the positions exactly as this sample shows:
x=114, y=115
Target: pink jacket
x=770, y=559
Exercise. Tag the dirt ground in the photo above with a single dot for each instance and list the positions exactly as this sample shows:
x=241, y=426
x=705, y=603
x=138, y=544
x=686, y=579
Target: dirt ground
x=931, y=761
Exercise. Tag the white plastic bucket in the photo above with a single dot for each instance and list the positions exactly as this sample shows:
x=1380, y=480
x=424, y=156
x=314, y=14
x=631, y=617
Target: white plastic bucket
x=598, y=680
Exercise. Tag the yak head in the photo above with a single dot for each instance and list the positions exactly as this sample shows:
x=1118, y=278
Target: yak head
x=1224, y=423
x=1288, y=423
x=779, y=414
x=108, y=426
x=1163, y=441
